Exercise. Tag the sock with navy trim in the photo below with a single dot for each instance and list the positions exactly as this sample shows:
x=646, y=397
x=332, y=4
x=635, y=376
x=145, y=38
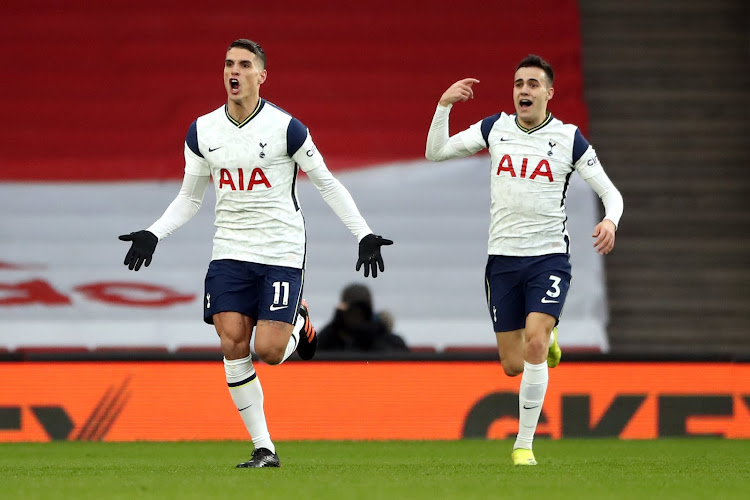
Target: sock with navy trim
x=247, y=394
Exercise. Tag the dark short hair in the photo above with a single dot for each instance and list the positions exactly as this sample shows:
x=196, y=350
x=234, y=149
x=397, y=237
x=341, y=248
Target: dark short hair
x=253, y=47
x=534, y=61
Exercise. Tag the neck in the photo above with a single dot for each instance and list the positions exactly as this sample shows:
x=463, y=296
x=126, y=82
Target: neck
x=241, y=109
x=533, y=122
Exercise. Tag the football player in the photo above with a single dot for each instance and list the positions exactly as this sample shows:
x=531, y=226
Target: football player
x=253, y=150
x=528, y=273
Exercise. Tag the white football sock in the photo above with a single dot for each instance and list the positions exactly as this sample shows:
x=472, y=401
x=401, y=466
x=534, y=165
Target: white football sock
x=530, y=399
x=291, y=346
x=247, y=394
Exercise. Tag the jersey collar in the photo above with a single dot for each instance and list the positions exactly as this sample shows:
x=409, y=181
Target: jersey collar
x=261, y=103
x=530, y=130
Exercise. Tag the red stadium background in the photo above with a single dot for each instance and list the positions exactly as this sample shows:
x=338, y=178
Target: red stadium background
x=100, y=91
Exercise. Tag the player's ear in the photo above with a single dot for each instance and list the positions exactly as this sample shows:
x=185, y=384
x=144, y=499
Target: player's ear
x=550, y=93
x=263, y=76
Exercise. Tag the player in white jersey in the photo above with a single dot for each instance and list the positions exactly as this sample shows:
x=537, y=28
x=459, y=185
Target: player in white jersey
x=528, y=275
x=253, y=150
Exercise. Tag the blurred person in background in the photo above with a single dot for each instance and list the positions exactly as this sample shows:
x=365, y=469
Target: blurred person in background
x=528, y=272
x=253, y=150
x=356, y=327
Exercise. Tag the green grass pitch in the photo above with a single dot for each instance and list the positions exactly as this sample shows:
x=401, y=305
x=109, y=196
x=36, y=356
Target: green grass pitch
x=434, y=470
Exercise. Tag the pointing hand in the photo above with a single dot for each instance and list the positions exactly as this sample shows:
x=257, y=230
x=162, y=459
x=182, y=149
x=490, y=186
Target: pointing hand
x=460, y=91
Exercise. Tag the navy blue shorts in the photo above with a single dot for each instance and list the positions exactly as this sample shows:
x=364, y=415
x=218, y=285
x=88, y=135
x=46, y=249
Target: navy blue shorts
x=258, y=291
x=517, y=286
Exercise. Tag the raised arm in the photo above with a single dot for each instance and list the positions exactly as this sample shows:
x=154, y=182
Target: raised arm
x=440, y=146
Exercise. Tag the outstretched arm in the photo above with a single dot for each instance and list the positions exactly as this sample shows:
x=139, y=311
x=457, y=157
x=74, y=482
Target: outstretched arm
x=339, y=199
x=341, y=202
x=183, y=207
x=440, y=146
x=181, y=210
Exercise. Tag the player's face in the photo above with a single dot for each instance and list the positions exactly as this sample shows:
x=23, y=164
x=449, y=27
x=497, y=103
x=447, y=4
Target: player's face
x=243, y=74
x=531, y=92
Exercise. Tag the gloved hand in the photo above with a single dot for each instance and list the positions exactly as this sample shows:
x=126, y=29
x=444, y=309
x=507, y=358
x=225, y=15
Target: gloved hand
x=369, y=254
x=141, y=250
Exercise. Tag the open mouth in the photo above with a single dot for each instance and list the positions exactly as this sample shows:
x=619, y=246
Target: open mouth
x=524, y=104
x=234, y=84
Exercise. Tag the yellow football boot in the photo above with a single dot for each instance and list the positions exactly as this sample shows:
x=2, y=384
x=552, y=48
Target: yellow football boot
x=554, y=355
x=522, y=456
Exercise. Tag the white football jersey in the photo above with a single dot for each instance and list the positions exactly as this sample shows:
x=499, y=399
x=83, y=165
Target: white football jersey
x=529, y=176
x=258, y=216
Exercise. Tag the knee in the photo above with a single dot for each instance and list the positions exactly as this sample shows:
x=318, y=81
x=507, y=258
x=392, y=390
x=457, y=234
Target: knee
x=536, y=346
x=512, y=369
x=233, y=349
x=271, y=355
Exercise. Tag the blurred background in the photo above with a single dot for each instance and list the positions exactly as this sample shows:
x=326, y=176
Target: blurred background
x=97, y=99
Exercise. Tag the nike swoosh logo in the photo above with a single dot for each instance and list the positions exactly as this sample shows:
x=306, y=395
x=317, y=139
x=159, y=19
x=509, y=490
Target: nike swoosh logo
x=245, y=408
x=545, y=300
x=502, y=139
x=525, y=407
x=277, y=308
x=211, y=150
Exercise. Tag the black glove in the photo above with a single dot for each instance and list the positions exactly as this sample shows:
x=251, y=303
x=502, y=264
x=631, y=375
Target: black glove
x=369, y=254
x=142, y=249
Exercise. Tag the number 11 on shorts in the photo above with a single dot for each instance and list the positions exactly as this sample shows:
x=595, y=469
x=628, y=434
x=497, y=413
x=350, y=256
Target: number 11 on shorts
x=279, y=288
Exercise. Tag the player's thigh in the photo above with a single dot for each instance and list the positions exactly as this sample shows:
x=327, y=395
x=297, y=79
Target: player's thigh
x=279, y=294
x=546, y=282
x=278, y=306
x=510, y=346
x=232, y=286
x=504, y=292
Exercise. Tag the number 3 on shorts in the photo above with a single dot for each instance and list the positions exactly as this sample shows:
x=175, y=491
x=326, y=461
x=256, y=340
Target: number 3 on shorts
x=554, y=290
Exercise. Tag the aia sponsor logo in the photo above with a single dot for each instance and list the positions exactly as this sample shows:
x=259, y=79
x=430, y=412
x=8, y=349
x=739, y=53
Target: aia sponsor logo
x=235, y=179
x=523, y=171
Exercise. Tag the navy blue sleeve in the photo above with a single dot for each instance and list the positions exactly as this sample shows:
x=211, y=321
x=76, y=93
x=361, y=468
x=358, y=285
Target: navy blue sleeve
x=192, y=139
x=487, y=124
x=580, y=145
x=296, y=134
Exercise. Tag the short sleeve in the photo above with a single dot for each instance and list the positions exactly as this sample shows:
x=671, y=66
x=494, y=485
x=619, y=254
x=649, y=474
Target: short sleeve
x=296, y=133
x=195, y=163
x=580, y=145
x=192, y=139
